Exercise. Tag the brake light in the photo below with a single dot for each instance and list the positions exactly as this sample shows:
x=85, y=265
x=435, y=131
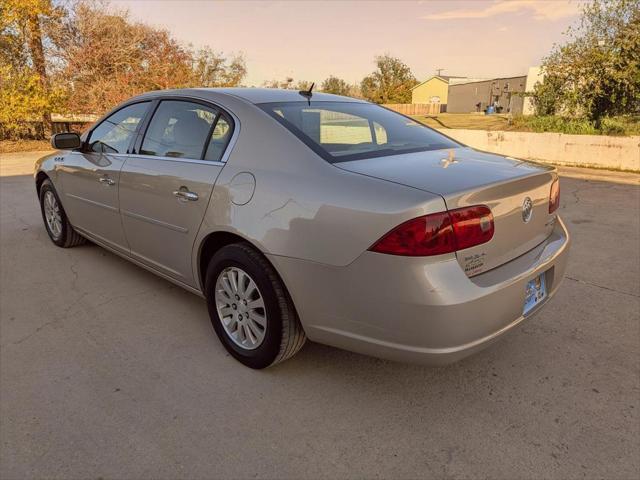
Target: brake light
x=554, y=196
x=472, y=226
x=439, y=233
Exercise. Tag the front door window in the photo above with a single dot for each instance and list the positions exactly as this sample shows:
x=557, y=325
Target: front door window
x=115, y=133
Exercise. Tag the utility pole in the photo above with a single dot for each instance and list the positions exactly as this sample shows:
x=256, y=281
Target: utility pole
x=439, y=70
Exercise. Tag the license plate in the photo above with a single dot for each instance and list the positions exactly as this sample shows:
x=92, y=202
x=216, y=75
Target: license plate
x=535, y=293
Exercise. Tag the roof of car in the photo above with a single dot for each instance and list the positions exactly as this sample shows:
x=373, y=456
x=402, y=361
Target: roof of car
x=264, y=95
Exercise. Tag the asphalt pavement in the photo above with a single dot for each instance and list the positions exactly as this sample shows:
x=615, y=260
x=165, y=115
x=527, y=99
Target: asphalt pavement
x=107, y=371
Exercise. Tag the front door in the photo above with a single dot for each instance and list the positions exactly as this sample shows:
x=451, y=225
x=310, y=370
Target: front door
x=90, y=176
x=166, y=184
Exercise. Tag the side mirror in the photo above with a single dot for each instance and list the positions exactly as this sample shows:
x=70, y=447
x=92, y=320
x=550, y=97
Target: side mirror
x=65, y=141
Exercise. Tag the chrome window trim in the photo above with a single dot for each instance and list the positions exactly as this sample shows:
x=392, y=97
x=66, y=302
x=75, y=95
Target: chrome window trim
x=176, y=159
x=155, y=157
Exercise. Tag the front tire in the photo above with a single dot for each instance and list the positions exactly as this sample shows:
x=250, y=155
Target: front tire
x=250, y=308
x=56, y=223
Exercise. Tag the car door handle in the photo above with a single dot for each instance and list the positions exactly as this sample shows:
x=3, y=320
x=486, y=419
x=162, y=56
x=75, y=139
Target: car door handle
x=106, y=181
x=184, y=194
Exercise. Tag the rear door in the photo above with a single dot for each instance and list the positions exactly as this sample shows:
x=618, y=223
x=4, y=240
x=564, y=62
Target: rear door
x=90, y=176
x=166, y=182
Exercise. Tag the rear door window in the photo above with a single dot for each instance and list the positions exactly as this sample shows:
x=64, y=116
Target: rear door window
x=179, y=129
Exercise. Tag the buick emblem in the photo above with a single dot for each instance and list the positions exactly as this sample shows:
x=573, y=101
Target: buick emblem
x=527, y=210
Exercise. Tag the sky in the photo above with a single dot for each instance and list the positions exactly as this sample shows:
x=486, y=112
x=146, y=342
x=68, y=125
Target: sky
x=310, y=40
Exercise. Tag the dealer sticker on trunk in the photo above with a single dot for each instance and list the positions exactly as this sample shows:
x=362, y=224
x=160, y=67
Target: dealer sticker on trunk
x=474, y=264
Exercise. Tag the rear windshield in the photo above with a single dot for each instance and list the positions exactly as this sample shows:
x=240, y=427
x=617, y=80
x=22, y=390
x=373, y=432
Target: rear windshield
x=343, y=131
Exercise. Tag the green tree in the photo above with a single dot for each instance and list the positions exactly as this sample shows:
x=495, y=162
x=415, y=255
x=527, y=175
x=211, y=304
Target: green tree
x=26, y=92
x=391, y=82
x=547, y=96
x=336, y=85
x=597, y=72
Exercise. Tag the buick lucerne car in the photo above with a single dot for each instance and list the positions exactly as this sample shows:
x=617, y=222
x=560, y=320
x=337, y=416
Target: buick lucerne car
x=306, y=215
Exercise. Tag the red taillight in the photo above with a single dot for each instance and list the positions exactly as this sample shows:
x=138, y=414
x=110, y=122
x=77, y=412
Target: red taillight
x=422, y=236
x=439, y=233
x=472, y=226
x=554, y=196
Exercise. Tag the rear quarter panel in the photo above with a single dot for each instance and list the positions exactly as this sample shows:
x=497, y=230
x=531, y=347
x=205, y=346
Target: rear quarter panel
x=302, y=206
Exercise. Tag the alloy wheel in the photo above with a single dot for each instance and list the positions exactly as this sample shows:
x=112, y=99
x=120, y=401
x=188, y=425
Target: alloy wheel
x=240, y=307
x=52, y=214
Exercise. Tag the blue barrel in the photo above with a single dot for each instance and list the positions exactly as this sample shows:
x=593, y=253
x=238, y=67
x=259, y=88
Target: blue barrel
x=491, y=109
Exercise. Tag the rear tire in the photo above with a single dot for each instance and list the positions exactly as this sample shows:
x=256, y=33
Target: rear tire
x=238, y=325
x=55, y=219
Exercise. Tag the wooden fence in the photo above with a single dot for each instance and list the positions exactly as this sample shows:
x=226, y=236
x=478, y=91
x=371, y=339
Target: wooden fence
x=415, y=108
x=34, y=129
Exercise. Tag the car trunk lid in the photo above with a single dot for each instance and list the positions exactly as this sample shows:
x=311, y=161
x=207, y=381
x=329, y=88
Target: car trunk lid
x=465, y=177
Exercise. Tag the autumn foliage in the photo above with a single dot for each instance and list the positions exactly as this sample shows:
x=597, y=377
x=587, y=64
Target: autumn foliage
x=84, y=57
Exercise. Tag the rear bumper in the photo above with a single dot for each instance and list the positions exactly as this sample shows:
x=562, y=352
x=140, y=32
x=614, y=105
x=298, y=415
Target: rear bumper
x=419, y=310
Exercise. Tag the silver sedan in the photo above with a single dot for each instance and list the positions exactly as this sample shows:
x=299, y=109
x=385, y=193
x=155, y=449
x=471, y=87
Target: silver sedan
x=306, y=215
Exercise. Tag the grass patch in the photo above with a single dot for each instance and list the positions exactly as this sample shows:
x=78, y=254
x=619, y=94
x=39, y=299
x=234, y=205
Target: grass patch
x=541, y=124
x=465, y=121
x=622, y=125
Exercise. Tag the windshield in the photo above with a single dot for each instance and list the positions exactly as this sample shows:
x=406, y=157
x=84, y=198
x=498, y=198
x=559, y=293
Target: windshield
x=343, y=131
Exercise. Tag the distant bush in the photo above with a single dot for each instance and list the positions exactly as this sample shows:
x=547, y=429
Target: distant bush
x=552, y=123
x=628, y=125
x=622, y=125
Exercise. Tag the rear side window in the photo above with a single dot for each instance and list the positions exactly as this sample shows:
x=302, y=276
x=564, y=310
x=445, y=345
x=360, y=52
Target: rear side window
x=343, y=131
x=219, y=139
x=114, y=134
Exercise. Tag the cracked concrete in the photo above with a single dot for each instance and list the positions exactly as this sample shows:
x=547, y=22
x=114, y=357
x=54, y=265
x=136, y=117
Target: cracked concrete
x=600, y=286
x=108, y=371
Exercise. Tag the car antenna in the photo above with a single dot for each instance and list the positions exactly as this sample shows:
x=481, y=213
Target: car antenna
x=307, y=93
